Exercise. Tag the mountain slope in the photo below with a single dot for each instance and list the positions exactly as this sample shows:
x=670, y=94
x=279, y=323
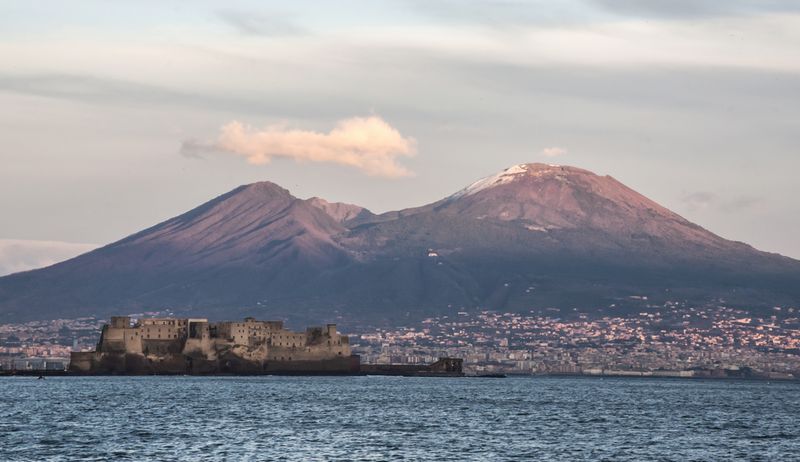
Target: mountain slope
x=553, y=208
x=254, y=239
x=342, y=213
x=539, y=236
x=531, y=237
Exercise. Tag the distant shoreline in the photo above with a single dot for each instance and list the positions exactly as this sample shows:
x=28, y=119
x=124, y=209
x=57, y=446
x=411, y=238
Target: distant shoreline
x=660, y=377
x=363, y=374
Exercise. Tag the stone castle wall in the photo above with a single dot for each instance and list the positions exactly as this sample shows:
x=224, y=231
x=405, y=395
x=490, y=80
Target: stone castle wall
x=185, y=345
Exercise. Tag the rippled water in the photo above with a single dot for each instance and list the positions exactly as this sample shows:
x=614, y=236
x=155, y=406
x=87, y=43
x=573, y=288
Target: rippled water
x=386, y=418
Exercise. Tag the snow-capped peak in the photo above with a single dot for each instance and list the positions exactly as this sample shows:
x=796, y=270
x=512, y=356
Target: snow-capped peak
x=506, y=176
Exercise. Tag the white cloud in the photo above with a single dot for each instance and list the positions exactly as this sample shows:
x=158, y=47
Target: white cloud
x=553, y=151
x=699, y=200
x=765, y=42
x=254, y=23
x=702, y=200
x=21, y=255
x=366, y=143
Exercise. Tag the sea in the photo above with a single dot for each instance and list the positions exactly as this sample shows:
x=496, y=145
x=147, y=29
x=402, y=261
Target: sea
x=397, y=418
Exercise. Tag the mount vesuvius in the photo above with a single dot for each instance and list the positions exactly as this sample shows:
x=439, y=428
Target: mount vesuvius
x=534, y=236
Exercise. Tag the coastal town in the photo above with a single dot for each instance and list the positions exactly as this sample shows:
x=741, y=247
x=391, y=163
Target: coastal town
x=674, y=340
x=46, y=345
x=679, y=341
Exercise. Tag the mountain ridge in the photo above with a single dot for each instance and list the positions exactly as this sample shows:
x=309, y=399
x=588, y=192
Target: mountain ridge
x=577, y=239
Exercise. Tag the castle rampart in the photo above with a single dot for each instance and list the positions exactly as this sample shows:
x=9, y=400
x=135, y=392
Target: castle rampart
x=178, y=346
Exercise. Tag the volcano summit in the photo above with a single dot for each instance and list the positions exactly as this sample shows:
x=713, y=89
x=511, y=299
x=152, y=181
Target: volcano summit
x=532, y=237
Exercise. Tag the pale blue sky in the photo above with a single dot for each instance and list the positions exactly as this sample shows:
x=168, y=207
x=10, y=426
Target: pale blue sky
x=693, y=103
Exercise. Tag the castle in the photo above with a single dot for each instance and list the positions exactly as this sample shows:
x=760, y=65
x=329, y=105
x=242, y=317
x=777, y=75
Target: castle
x=197, y=346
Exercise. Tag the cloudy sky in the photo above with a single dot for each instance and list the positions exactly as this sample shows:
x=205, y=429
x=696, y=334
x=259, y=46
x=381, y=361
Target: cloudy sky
x=118, y=115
